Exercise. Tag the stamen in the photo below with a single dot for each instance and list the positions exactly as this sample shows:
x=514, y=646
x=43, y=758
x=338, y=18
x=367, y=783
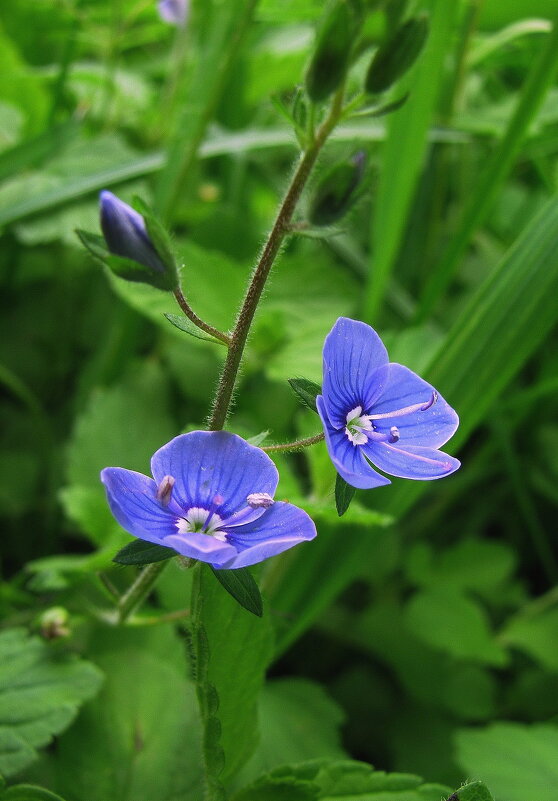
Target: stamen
x=164, y=490
x=259, y=500
x=394, y=434
x=385, y=436
x=416, y=407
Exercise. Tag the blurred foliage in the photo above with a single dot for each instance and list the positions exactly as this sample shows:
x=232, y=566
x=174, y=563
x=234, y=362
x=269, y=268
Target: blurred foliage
x=418, y=633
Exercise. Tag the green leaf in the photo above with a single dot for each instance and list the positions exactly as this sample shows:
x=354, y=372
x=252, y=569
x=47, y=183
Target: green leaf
x=42, y=691
x=342, y=780
x=534, y=633
x=227, y=635
x=28, y=792
x=451, y=622
x=475, y=791
x=517, y=761
x=94, y=243
x=140, y=739
x=257, y=439
x=289, y=709
x=242, y=586
x=140, y=552
x=307, y=391
x=186, y=325
x=344, y=494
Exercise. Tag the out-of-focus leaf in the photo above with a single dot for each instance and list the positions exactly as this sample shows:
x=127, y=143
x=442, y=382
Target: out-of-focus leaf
x=517, y=761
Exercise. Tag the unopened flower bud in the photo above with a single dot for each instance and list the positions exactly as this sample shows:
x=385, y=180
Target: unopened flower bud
x=397, y=55
x=54, y=623
x=335, y=193
x=125, y=232
x=331, y=57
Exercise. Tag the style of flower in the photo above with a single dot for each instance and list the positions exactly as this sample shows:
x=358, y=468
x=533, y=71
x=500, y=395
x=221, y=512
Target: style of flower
x=175, y=12
x=379, y=413
x=125, y=232
x=211, y=499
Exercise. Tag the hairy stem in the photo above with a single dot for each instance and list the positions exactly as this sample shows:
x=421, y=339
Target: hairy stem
x=260, y=275
x=191, y=315
x=139, y=590
x=297, y=445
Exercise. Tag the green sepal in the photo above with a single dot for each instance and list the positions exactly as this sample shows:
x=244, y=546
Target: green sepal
x=186, y=325
x=127, y=269
x=331, y=58
x=242, y=586
x=307, y=391
x=160, y=239
x=140, y=552
x=344, y=494
x=474, y=791
x=94, y=243
x=335, y=193
x=383, y=110
x=396, y=56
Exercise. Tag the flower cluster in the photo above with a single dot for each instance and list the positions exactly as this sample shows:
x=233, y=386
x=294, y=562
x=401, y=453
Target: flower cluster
x=211, y=495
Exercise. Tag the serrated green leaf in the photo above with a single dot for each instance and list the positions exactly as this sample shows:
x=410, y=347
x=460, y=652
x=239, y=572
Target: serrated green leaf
x=475, y=791
x=42, y=691
x=140, y=552
x=307, y=391
x=344, y=494
x=186, y=325
x=29, y=792
x=242, y=586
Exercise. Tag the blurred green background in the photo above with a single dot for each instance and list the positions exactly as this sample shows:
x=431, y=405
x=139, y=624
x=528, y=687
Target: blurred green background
x=420, y=631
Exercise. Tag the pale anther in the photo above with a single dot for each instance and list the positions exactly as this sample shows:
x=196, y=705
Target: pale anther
x=164, y=490
x=259, y=500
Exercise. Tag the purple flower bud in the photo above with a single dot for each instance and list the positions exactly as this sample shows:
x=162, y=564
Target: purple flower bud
x=125, y=233
x=175, y=12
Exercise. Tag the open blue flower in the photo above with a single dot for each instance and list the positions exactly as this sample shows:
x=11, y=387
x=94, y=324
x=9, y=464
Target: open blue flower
x=210, y=498
x=378, y=413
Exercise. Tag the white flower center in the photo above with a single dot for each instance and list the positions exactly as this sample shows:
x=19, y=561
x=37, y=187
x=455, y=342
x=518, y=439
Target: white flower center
x=200, y=521
x=357, y=424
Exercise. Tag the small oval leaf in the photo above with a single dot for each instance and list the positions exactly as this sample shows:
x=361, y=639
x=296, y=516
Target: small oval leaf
x=140, y=552
x=242, y=586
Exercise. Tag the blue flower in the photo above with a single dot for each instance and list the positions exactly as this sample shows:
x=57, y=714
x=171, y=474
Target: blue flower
x=210, y=498
x=379, y=413
x=125, y=232
x=175, y=12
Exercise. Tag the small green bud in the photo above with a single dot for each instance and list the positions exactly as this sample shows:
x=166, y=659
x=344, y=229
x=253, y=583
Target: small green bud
x=397, y=55
x=335, y=193
x=53, y=623
x=330, y=60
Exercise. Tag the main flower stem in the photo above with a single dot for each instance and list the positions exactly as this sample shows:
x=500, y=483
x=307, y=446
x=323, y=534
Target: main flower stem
x=260, y=275
x=297, y=445
x=139, y=589
x=191, y=315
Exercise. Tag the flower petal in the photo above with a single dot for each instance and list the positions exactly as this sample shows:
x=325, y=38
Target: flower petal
x=430, y=428
x=281, y=527
x=215, y=470
x=132, y=498
x=411, y=461
x=201, y=546
x=348, y=459
x=355, y=368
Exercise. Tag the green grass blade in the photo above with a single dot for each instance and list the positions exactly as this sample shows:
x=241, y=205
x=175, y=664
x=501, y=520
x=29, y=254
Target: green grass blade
x=404, y=151
x=490, y=181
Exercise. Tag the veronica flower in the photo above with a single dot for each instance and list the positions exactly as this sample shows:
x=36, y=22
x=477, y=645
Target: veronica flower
x=175, y=12
x=125, y=232
x=210, y=498
x=380, y=413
